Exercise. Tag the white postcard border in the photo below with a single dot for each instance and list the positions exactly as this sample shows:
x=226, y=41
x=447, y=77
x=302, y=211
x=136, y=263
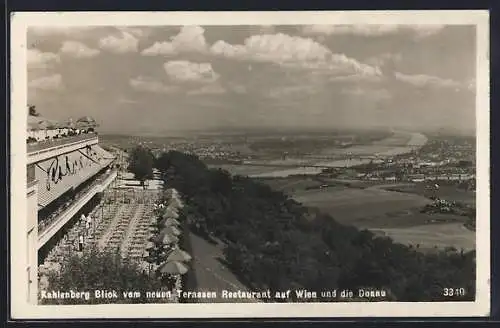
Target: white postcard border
x=20, y=309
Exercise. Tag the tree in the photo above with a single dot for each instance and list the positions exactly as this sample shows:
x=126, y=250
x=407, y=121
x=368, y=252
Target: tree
x=274, y=242
x=141, y=162
x=32, y=110
x=95, y=270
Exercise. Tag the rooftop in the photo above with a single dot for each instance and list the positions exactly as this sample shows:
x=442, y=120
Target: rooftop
x=35, y=146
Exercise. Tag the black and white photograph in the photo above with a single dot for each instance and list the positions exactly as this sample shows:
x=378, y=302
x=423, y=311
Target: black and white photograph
x=256, y=164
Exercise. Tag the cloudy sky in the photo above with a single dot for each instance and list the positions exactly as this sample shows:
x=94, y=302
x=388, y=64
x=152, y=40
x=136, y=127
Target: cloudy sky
x=160, y=79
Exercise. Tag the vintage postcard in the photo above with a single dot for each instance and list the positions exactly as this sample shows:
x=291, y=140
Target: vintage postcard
x=249, y=164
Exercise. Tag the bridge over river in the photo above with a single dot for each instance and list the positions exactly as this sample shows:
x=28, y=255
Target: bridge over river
x=346, y=157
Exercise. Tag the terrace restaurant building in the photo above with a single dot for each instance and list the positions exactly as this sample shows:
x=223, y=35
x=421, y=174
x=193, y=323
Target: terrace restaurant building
x=66, y=168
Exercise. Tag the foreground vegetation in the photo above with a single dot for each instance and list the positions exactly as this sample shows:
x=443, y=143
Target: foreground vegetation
x=275, y=243
x=95, y=271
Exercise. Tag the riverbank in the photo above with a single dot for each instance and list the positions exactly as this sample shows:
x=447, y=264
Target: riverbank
x=399, y=143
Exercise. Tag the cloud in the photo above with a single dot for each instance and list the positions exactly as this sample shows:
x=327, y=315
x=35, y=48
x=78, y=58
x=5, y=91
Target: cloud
x=185, y=71
x=222, y=48
x=371, y=30
x=78, y=50
x=422, y=80
x=137, y=31
x=150, y=85
x=160, y=48
x=339, y=64
x=52, y=82
x=374, y=94
x=60, y=30
x=383, y=59
x=275, y=48
x=356, y=78
x=38, y=59
x=124, y=100
x=124, y=43
x=426, y=30
x=189, y=39
x=210, y=89
x=237, y=88
x=291, y=51
x=291, y=91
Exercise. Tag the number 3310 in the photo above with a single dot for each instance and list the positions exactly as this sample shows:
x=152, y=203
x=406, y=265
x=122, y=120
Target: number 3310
x=450, y=292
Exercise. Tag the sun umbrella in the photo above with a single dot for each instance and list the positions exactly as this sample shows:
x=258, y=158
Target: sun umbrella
x=170, y=213
x=87, y=119
x=150, y=245
x=172, y=207
x=178, y=255
x=154, y=239
x=173, y=267
x=164, y=238
x=175, y=203
x=83, y=125
x=171, y=230
x=168, y=238
x=170, y=222
x=170, y=192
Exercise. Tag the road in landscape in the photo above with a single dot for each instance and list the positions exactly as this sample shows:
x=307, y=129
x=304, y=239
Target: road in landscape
x=211, y=274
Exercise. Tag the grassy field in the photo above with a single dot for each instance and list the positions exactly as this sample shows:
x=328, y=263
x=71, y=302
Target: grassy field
x=349, y=205
x=448, y=192
x=391, y=213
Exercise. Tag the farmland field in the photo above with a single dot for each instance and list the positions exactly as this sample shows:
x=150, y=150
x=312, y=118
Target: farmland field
x=348, y=205
x=395, y=214
x=448, y=192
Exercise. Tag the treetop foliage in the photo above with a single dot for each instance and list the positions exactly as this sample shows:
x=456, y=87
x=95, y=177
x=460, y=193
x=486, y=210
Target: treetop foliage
x=141, y=163
x=274, y=242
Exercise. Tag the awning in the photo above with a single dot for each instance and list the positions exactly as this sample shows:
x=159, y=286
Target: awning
x=59, y=174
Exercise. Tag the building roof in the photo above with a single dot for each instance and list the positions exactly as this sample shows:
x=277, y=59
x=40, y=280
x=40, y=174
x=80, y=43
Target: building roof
x=42, y=123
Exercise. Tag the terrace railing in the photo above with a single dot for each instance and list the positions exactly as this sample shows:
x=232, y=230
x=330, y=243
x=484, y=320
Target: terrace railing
x=49, y=226
x=49, y=145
